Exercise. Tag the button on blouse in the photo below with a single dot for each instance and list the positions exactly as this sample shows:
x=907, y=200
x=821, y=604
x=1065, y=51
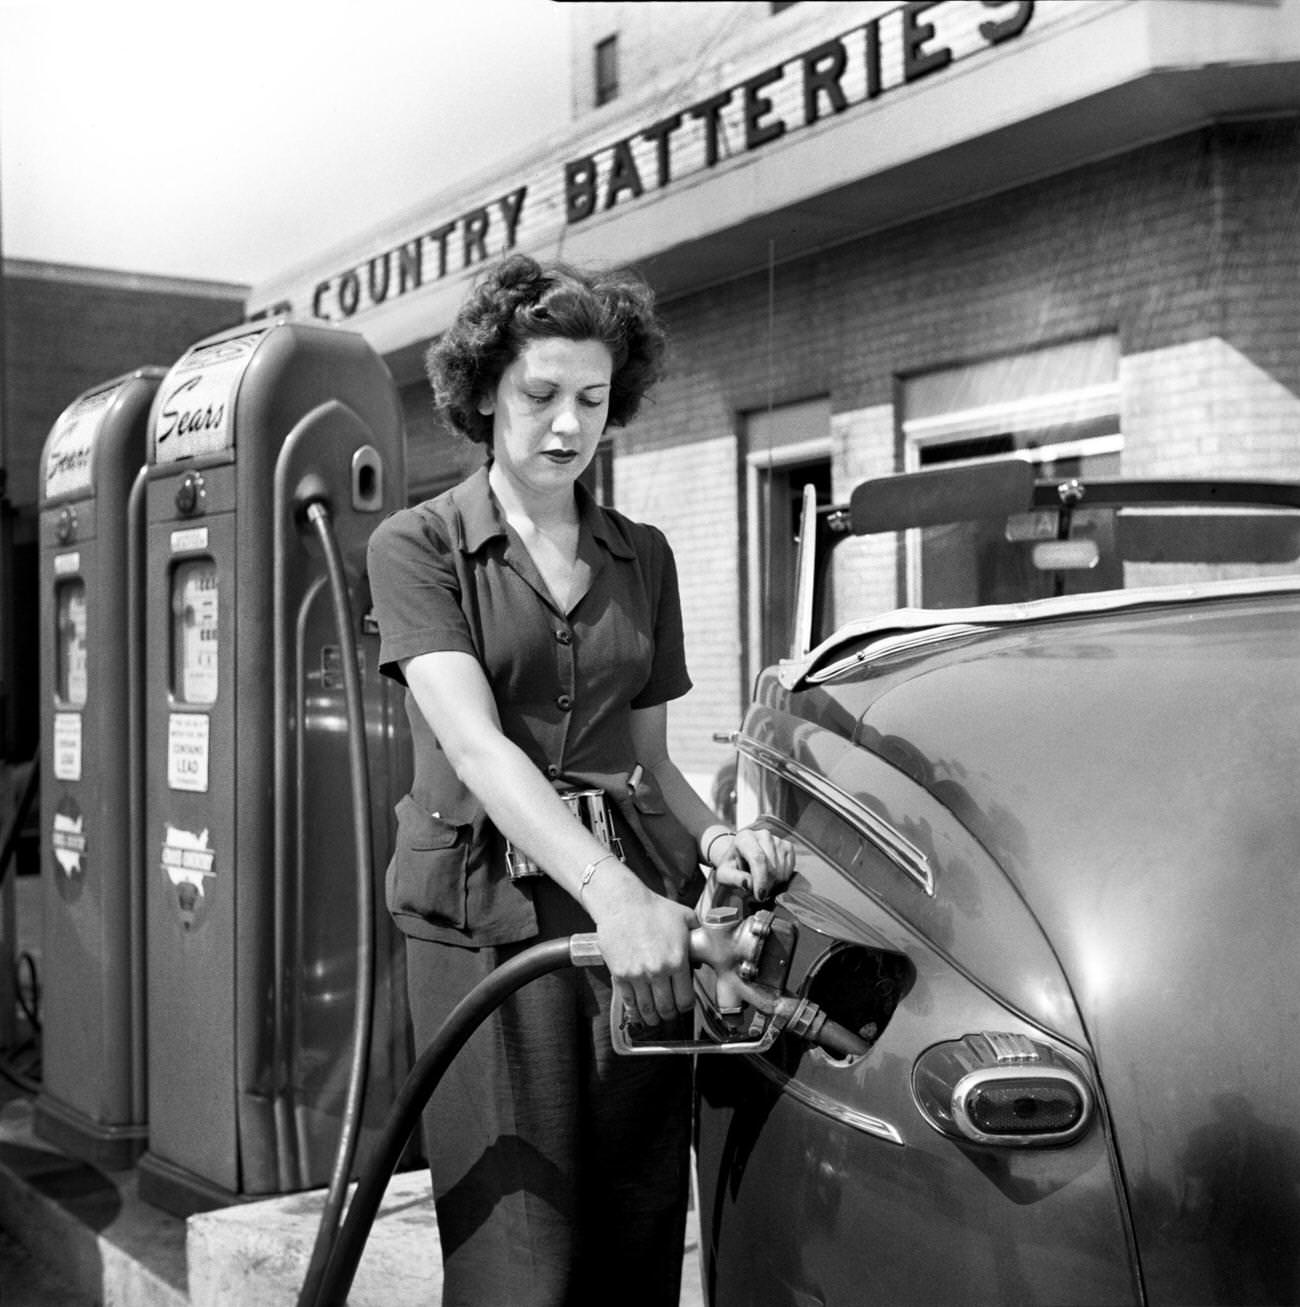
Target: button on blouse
x=450, y=574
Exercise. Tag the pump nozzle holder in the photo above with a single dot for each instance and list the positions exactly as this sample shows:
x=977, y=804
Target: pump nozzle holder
x=311, y=491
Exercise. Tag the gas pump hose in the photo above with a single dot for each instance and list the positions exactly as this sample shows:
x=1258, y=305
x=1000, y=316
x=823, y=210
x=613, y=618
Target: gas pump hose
x=14, y=827
x=316, y=511
x=417, y=1089
x=8, y=849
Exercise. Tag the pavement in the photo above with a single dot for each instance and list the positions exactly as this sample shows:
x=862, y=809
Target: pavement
x=75, y=1235
x=72, y=1235
x=101, y=1243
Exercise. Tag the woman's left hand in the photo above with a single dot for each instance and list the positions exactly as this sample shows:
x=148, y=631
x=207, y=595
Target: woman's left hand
x=758, y=861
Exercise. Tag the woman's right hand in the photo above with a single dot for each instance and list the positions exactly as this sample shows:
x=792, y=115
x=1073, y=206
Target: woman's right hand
x=645, y=941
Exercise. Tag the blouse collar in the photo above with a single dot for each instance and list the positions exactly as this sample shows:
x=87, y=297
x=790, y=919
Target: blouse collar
x=482, y=520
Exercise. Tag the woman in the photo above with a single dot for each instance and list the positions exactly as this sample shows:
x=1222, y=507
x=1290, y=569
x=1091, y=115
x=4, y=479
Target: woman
x=539, y=637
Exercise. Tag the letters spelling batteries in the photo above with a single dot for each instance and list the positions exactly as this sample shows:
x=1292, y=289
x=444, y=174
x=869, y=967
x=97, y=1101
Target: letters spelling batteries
x=894, y=49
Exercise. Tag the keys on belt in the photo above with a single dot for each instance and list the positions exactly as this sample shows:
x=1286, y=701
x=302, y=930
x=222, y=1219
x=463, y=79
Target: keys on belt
x=591, y=807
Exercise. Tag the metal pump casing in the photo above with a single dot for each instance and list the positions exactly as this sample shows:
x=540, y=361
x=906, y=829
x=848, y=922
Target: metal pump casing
x=92, y=1100
x=247, y=824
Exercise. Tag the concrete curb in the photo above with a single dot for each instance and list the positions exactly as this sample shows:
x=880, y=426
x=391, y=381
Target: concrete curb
x=117, y=1250
x=257, y=1254
x=90, y=1224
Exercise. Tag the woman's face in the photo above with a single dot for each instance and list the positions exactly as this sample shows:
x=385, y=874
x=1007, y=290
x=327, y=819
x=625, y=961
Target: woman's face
x=549, y=412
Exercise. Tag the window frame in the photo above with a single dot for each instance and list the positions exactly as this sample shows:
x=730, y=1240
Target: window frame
x=605, y=87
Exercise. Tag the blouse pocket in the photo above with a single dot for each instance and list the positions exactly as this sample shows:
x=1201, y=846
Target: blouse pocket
x=646, y=795
x=428, y=872
x=668, y=842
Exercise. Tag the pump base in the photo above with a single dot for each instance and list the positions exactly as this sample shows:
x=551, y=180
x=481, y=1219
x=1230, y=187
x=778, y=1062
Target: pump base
x=172, y=1188
x=108, y=1147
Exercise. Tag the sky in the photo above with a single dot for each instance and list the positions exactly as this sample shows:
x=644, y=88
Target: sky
x=231, y=142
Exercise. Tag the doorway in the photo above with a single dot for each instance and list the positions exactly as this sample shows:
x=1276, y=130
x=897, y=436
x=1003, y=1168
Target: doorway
x=787, y=448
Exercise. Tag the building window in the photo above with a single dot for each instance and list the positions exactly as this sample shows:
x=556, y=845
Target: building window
x=1056, y=407
x=606, y=70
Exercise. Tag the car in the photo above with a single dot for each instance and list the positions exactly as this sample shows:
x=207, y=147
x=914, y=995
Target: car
x=1048, y=872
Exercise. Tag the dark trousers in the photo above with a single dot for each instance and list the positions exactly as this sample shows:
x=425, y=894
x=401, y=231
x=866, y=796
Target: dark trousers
x=560, y=1169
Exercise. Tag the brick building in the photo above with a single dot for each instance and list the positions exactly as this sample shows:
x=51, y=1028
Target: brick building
x=66, y=330
x=887, y=236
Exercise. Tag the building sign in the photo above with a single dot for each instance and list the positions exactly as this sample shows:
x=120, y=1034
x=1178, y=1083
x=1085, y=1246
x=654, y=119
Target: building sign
x=451, y=246
x=894, y=49
x=898, y=48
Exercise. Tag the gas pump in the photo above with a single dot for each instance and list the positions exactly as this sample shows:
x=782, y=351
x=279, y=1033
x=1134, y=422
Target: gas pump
x=93, y=1097
x=92, y=1101
x=252, y=955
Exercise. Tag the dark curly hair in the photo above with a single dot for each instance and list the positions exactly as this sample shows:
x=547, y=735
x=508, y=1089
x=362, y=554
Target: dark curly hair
x=518, y=300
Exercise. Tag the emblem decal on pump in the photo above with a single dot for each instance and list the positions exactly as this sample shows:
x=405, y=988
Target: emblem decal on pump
x=68, y=844
x=187, y=862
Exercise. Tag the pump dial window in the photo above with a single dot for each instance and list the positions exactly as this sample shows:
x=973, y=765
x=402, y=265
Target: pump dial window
x=194, y=631
x=70, y=642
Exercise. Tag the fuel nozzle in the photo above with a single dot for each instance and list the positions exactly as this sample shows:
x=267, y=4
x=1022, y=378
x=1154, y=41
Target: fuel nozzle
x=742, y=964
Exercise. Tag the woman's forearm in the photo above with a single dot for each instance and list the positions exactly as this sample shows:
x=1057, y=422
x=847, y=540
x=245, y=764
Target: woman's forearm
x=452, y=693
x=525, y=808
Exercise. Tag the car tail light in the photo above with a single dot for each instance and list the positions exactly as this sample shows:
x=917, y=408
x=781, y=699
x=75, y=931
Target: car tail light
x=998, y=1088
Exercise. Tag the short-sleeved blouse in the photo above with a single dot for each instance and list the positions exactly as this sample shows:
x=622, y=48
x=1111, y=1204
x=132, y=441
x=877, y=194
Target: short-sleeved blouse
x=450, y=575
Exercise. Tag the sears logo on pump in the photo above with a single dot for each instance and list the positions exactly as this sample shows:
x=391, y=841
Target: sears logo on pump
x=194, y=407
x=70, y=449
x=184, y=414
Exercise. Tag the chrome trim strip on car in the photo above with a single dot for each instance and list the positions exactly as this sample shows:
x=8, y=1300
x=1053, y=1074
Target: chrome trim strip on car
x=910, y=860
x=1008, y=1047
x=837, y=1111
x=899, y=630
x=893, y=645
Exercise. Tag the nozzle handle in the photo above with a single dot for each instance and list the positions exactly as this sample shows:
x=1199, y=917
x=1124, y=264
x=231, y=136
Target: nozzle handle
x=708, y=946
